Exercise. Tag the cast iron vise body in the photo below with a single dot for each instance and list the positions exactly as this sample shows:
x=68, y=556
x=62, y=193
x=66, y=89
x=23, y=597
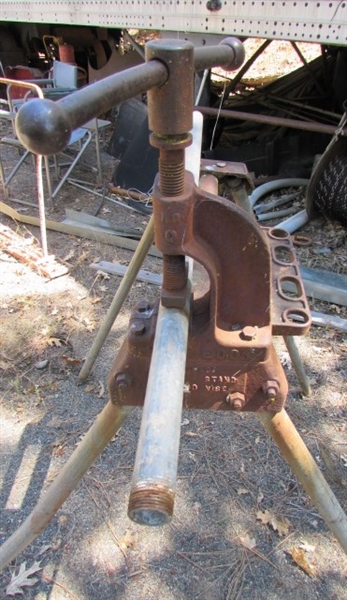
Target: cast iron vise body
x=231, y=361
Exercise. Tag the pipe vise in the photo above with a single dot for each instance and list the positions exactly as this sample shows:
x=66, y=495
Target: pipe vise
x=238, y=304
x=227, y=361
x=205, y=345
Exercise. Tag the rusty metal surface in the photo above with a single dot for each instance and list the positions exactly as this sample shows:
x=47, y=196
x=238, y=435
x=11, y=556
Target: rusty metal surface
x=224, y=167
x=231, y=363
x=242, y=374
x=269, y=120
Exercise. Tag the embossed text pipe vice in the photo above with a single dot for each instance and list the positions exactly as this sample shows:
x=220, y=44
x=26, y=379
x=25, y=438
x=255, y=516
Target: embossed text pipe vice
x=44, y=126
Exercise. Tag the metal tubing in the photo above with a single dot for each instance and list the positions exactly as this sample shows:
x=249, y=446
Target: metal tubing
x=155, y=471
x=268, y=120
x=44, y=127
x=240, y=195
x=297, y=364
x=294, y=450
x=294, y=222
x=117, y=302
x=271, y=186
x=101, y=432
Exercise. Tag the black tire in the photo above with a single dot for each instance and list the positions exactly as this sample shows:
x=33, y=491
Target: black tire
x=330, y=195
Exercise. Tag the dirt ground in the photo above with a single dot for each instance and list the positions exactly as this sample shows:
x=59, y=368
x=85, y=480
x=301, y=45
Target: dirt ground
x=243, y=527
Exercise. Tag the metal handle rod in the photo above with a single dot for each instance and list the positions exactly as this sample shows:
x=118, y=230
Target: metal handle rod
x=45, y=126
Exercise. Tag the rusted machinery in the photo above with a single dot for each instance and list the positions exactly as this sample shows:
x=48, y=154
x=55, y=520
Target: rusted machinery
x=206, y=346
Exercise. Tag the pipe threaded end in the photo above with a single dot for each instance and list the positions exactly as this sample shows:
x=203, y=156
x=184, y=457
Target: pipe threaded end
x=151, y=504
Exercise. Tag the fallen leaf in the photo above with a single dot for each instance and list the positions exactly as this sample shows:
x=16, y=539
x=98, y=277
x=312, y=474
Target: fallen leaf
x=70, y=360
x=101, y=391
x=22, y=579
x=129, y=540
x=53, y=341
x=299, y=558
x=196, y=507
x=307, y=547
x=103, y=288
x=41, y=364
x=268, y=518
x=44, y=549
x=103, y=275
x=247, y=541
x=69, y=255
x=260, y=497
x=241, y=491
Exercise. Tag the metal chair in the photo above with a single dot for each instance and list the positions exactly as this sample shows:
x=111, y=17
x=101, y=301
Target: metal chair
x=79, y=140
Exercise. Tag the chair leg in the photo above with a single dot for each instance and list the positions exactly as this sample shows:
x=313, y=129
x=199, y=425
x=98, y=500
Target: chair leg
x=3, y=181
x=73, y=164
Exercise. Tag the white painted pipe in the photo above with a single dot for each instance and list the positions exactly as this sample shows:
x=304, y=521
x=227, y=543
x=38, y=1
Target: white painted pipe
x=152, y=491
x=294, y=222
x=153, y=485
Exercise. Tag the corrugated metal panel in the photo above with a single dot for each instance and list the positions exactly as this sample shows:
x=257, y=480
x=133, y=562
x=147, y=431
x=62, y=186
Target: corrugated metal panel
x=311, y=21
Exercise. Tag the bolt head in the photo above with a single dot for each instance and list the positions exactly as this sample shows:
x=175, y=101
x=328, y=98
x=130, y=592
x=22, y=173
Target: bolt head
x=249, y=333
x=137, y=327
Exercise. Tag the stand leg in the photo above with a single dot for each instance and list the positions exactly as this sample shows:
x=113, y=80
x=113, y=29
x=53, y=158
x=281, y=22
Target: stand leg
x=98, y=436
x=117, y=302
x=294, y=450
x=297, y=364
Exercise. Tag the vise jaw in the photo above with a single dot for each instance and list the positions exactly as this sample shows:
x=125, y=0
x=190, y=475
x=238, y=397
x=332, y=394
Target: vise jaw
x=243, y=302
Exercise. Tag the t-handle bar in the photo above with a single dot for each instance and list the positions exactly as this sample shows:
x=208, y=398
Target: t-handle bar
x=44, y=126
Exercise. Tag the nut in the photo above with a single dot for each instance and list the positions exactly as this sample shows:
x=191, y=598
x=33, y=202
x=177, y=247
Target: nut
x=142, y=306
x=123, y=381
x=236, y=400
x=271, y=389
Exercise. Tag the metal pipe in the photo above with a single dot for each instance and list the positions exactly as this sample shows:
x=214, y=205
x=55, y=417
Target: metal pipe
x=285, y=212
x=271, y=186
x=117, y=302
x=240, y=195
x=294, y=450
x=298, y=365
x=268, y=120
x=101, y=432
x=45, y=126
x=294, y=222
x=153, y=485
